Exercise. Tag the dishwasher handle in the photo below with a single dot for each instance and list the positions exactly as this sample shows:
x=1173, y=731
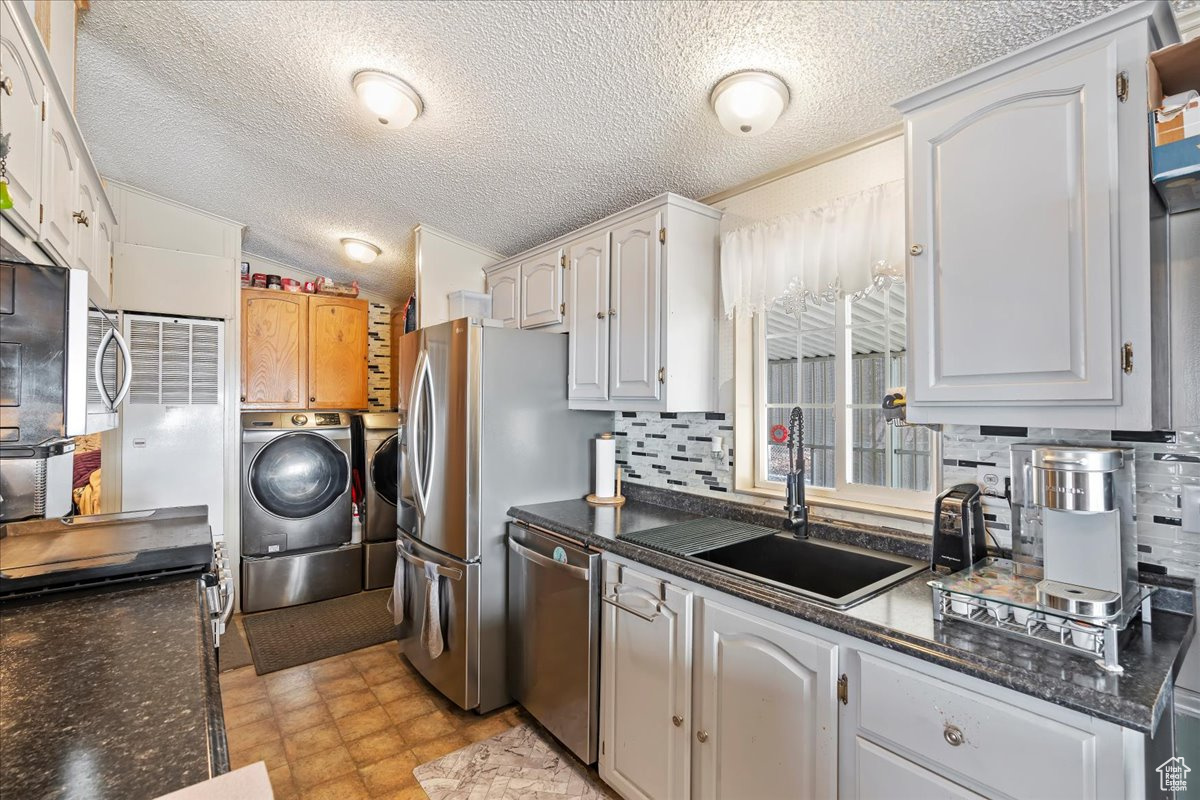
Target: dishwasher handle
x=531, y=555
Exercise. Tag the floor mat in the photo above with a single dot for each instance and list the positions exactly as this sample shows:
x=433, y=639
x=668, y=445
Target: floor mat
x=520, y=763
x=287, y=637
x=234, y=652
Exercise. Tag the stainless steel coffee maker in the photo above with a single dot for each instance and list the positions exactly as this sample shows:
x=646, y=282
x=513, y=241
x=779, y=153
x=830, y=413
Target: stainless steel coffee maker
x=1074, y=527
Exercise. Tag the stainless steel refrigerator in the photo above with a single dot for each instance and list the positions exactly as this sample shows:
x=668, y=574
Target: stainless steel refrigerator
x=488, y=428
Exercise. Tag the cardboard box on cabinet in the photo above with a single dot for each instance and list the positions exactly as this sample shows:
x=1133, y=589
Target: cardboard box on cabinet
x=1175, y=130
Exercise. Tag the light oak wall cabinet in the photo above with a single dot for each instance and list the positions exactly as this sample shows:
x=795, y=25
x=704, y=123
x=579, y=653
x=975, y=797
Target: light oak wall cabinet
x=637, y=294
x=59, y=202
x=303, y=351
x=1029, y=208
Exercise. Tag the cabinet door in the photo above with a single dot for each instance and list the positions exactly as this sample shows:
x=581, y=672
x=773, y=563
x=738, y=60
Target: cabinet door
x=587, y=309
x=1013, y=213
x=541, y=289
x=502, y=286
x=635, y=325
x=22, y=114
x=274, y=349
x=883, y=775
x=645, y=687
x=102, y=232
x=337, y=352
x=88, y=206
x=60, y=186
x=766, y=721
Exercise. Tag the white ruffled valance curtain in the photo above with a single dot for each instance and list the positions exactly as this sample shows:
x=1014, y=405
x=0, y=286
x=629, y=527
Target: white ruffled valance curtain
x=844, y=248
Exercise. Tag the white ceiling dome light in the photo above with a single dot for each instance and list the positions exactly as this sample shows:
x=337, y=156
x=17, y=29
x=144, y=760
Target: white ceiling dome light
x=748, y=103
x=360, y=251
x=393, y=102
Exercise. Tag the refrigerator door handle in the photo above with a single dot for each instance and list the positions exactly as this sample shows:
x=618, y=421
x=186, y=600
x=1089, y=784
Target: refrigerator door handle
x=428, y=404
x=452, y=573
x=415, y=433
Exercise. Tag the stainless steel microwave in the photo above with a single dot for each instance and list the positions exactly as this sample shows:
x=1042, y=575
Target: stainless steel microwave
x=51, y=386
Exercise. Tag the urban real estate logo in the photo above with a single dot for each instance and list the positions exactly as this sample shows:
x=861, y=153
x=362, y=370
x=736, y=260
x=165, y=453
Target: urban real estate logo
x=1172, y=775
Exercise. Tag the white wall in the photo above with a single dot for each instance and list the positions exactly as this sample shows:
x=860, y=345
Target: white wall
x=445, y=264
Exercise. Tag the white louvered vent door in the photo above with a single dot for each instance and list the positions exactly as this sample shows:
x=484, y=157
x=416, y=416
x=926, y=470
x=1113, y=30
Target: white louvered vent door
x=172, y=429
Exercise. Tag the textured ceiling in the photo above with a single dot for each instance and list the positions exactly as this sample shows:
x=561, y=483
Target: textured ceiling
x=539, y=116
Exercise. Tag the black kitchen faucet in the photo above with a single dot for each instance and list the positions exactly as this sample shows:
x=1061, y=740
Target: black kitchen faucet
x=797, y=511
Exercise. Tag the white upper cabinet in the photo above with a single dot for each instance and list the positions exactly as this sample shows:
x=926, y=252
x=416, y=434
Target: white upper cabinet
x=505, y=293
x=646, y=686
x=1029, y=219
x=635, y=329
x=60, y=182
x=766, y=720
x=587, y=309
x=58, y=199
x=22, y=90
x=542, y=289
x=634, y=345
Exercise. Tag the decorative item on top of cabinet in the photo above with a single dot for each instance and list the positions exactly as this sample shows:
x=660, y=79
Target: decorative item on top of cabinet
x=274, y=349
x=1029, y=205
x=337, y=352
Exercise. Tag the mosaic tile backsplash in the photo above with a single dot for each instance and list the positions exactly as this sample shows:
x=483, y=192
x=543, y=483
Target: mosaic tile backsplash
x=379, y=356
x=674, y=451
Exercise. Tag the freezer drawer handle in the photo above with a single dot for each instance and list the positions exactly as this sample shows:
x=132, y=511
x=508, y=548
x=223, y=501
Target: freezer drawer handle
x=546, y=561
x=452, y=573
x=612, y=601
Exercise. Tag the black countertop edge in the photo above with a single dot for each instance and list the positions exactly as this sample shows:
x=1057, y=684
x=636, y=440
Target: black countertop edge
x=1141, y=715
x=892, y=540
x=218, y=741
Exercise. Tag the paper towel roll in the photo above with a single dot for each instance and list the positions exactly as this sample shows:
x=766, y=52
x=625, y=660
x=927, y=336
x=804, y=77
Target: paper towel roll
x=606, y=465
x=606, y=521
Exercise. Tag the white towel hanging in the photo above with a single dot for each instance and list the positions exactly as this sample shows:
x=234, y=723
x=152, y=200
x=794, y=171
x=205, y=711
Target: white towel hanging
x=431, y=625
x=395, y=603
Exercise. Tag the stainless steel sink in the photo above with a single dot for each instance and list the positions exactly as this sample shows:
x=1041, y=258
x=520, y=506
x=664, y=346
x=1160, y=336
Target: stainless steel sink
x=834, y=574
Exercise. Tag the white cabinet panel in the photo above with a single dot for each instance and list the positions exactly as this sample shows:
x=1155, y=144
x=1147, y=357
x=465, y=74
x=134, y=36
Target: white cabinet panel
x=883, y=775
x=541, y=289
x=1014, y=209
x=587, y=307
x=60, y=186
x=635, y=329
x=766, y=720
x=103, y=232
x=646, y=686
x=21, y=111
x=505, y=292
x=86, y=217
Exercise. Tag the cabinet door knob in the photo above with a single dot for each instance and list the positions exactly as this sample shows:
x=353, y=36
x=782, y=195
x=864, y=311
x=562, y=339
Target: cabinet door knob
x=953, y=735
x=612, y=312
x=599, y=315
x=243, y=398
x=312, y=399
x=916, y=250
x=677, y=721
x=80, y=218
x=7, y=85
x=702, y=736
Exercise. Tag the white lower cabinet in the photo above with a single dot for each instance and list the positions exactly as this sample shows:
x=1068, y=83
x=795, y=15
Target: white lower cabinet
x=700, y=699
x=766, y=709
x=645, y=686
x=883, y=775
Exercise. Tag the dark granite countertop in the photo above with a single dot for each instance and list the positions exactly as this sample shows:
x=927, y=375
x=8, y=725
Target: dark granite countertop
x=900, y=619
x=109, y=693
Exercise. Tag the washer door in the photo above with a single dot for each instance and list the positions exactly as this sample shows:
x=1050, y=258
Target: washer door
x=384, y=475
x=299, y=475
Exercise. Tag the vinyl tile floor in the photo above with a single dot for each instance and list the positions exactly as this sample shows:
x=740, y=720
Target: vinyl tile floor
x=348, y=727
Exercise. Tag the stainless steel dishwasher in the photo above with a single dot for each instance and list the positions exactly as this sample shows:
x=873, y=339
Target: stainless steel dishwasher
x=554, y=635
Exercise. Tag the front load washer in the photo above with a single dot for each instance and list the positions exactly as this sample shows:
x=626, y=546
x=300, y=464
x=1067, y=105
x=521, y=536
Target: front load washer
x=380, y=434
x=296, y=509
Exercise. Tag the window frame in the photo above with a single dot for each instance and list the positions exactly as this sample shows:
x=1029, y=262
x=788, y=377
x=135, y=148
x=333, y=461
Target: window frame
x=750, y=421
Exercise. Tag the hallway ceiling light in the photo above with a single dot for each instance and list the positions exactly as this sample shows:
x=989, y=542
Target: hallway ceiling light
x=360, y=251
x=393, y=102
x=748, y=103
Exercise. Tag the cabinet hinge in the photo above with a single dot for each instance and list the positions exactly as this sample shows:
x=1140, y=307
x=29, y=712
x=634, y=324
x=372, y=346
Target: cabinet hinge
x=843, y=689
x=662, y=374
x=662, y=235
x=1127, y=358
x=43, y=111
x=562, y=260
x=41, y=213
x=562, y=308
x=1122, y=86
x=602, y=747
